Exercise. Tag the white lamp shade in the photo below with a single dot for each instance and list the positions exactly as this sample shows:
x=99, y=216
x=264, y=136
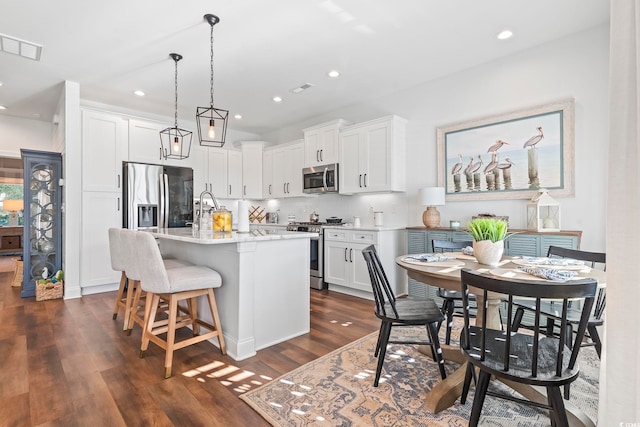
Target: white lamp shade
x=431, y=196
x=13, y=205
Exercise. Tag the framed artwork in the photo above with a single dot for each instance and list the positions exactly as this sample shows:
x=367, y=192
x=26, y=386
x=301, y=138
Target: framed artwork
x=509, y=156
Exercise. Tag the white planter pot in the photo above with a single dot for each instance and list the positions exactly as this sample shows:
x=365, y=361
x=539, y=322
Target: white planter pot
x=488, y=252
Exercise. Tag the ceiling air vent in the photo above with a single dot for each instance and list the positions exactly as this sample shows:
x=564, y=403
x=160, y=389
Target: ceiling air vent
x=301, y=88
x=20, y=47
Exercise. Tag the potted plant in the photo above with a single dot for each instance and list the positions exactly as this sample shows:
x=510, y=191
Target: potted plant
x=489, y=235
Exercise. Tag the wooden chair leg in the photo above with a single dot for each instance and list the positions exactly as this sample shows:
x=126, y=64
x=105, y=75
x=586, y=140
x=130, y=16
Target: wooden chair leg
x=450, y=309
x=595, y=337
x=467, y=383
x=559, y=414
x=150, y=311
x=192, y=303
x=478, y=398
x=517, y=319
x=435, y=344
x=216, y=320
x=171, y=334
x=385, y=331
x=133, y=313
x=128, y=305
x=123, y=284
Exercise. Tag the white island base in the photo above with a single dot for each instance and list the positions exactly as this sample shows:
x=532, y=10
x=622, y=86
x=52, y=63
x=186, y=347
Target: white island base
x=265, y=297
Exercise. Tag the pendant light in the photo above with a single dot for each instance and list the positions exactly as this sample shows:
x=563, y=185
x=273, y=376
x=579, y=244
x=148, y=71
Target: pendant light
x=175, y=143
x=212, y=122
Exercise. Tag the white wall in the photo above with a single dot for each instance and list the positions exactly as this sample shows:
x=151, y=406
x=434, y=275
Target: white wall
x=576, y=66
x=17, y=133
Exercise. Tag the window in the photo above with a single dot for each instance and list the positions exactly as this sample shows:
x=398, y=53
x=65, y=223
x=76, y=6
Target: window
x=10, y=192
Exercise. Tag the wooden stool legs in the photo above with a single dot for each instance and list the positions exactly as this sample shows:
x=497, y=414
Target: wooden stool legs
x=153, y=328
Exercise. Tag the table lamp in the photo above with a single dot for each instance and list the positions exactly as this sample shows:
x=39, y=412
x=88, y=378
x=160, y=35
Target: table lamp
x=13, y=206
x=431, y=197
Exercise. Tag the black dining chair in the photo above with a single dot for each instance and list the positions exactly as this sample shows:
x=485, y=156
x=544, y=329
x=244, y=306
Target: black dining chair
x=397, y=312
x=529, y=358
x=551, y=309
x=594, y=260
x=449, y=297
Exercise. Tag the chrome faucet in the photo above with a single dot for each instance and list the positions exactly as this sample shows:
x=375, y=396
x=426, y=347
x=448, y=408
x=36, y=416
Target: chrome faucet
x=215, y=202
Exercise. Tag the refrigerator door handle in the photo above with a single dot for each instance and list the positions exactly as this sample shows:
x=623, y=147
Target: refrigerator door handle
x=164, y=208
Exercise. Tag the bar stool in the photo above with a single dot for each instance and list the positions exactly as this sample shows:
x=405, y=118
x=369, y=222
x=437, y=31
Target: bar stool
x=119, y=257
x=171, y=285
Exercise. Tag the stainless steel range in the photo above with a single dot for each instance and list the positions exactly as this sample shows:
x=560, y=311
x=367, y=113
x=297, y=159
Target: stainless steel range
x=316, y=253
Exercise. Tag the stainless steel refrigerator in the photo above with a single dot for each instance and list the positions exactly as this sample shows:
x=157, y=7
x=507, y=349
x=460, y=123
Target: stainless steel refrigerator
x=157, y=196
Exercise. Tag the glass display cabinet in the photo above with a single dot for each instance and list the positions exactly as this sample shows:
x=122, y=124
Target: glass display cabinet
x=42, y=238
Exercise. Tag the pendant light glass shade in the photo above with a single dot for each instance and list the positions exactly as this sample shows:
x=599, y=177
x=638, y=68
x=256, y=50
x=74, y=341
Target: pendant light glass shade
x=212, y=122
x=175, y=143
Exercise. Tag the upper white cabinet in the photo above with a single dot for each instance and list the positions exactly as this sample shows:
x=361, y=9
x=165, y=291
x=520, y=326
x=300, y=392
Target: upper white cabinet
x=268, y=188
x=234, y=175
x=286, y=164
x=104, y=148
x=321, y=143
x=252, y=169
x=145, y=147
x=372, y=156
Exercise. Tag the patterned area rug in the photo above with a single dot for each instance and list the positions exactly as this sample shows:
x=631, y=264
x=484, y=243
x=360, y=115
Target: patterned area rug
x=337, y=390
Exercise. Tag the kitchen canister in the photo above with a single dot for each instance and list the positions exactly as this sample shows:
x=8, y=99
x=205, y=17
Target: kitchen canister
x=356, y=222
x=378, y=219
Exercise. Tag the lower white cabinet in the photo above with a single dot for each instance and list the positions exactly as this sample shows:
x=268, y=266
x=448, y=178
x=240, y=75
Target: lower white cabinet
x=101, y=211
x=344, y=267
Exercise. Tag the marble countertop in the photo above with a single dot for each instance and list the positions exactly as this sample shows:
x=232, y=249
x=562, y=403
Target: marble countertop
x=364, y=227
x=186, y=234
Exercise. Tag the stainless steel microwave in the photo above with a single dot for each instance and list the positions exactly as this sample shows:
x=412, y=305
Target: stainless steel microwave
x=320, y=179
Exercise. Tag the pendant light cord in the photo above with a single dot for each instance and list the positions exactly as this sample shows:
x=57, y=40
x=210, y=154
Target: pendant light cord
x=211, y=38
x=176, y=85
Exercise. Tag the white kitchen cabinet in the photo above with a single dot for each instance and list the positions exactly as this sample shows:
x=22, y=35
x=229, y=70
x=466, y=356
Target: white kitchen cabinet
x=100, y=211
x=145, y=147
x=218, y=170
x=287, y=164
x=267, y=174
x=321, y=143
x=252, y=169
x=104, y=148
x=344, y=267
x=372, y=156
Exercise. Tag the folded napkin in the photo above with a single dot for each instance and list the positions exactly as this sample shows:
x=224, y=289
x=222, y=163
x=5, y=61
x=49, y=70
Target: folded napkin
x=548, y=273
x=551, y=261
x=467, y=250
x=429, y=258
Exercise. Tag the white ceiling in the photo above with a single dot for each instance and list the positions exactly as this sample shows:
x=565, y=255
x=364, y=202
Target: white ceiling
x=262, y=49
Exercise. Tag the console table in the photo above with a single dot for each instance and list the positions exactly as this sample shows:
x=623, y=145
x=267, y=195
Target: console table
x=11, y=240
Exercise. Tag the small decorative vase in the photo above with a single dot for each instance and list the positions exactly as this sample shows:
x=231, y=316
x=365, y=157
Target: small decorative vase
x=488, y=252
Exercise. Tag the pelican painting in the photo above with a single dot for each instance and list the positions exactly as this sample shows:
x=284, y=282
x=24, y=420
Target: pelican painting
x=495, y=147
x=455, y=170
x=531, y=142
x=493, y=164
x=506, y=164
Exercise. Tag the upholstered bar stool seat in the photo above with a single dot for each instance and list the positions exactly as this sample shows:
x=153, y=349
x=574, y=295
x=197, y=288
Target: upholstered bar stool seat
x=173, y=285
x=119, y=257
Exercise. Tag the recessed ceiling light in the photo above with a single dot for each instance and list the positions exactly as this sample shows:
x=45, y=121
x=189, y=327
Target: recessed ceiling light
x=333, y=74
x=277, y=99
x=2, y=107
x=0, y=83
x=237, y=116
x=138, y=93
x=503, y=35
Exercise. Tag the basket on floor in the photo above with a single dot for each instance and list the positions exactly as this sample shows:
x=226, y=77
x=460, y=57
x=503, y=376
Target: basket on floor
x=17, y=277
x=49, y=290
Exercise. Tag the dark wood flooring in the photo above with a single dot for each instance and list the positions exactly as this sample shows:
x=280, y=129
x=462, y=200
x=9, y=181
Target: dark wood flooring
x=67, y=363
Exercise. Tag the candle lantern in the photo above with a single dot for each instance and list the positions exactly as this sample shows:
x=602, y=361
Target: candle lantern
x=543, y=212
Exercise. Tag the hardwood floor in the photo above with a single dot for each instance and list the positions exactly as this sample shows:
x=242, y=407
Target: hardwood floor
x=68, y=363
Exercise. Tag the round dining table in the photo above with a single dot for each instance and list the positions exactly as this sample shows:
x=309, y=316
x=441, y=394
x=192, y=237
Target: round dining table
x=446, y=274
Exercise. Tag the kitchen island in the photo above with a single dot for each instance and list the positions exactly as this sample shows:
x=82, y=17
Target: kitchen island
x=265, y=297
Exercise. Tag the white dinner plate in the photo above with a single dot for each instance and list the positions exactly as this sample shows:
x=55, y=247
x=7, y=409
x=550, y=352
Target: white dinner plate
x=510, y=273
x=450, y=263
